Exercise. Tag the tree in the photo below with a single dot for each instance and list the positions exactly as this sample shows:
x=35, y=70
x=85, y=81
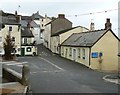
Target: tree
x=8, y=48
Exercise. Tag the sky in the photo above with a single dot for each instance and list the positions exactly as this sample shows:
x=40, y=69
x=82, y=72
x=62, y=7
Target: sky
x=77, y=11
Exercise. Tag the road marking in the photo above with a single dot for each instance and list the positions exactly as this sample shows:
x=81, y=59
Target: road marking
x=56, y=71
x=52, y=64
x=16, y=63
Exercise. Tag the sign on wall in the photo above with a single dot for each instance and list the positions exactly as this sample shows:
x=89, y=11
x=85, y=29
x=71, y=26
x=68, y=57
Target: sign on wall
x=95, y=55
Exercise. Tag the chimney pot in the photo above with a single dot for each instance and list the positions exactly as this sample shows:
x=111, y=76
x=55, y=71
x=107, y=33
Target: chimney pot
x=92, y=26
x=16, y=13
x=61, y=15
x=108, y=24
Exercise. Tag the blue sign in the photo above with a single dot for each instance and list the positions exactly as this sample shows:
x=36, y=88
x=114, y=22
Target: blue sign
x=95, y=55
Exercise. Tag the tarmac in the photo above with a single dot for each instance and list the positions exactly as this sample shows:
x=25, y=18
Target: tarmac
x=16, y=87
x=10, y=88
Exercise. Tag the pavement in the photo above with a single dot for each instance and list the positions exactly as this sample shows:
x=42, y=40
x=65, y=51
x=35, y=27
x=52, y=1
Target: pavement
x=12, y=88
x=7, y=87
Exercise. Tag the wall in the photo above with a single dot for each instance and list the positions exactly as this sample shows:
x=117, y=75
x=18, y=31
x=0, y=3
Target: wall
x=14, y=33
x=60, y=24
x=54, y=44
x=47, y=35
x=33, y=49
x=65, y=52
x=108, y=45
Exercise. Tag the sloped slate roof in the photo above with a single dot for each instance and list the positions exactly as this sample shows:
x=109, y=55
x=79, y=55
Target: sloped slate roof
x=9, y=21
x=23, y=23
x=34, y=24
x=25, y=32
x=66, y=30
x=85, y=39
x=37, y=16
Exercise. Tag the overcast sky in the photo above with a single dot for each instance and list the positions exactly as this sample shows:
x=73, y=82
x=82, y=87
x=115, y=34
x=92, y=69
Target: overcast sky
x=73, y=9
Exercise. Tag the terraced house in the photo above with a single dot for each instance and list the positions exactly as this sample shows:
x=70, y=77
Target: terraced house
x=10, y=25
x=57, y=24
x=20, y=32
x=60, y=36
x=96, y=49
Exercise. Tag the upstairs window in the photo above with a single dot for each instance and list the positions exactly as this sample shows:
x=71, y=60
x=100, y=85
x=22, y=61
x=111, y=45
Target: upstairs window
x=41, y=35
x=10, y=28
x=13, y=39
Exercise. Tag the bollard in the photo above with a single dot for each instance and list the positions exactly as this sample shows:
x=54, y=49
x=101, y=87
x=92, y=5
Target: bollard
x=25, y=75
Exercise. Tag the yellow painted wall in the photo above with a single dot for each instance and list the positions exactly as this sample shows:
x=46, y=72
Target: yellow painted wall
x=54, y=44
x=62, y=37
x=65, y=52
x=14, y=33
x=108, y=45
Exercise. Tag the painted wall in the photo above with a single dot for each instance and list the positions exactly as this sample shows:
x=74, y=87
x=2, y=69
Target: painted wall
x=57, y=40
x=54, y=44
x=60, y=24
x=75, y=55
x=14, y=33
x=33, y=49
x=37, y=35
x=47, y=35
x=108, y=45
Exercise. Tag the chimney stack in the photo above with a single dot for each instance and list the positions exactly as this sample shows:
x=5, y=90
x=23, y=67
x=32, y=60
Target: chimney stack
x=61, y=15
x=108, y=24
x=28, y=25
x=16, y=13
x=92, y=26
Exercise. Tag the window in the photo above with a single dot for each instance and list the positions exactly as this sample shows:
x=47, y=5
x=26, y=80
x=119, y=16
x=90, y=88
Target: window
x=10, y=28
x=62, y=50
x=42, y=19
x=28, y=49
x=14, y=50
x=25, y=40
x=79, y=53
x=42, y=25
x=41, y=35
x=83, y=53
x=0, y=39
x=70, y=50
x=13, y=39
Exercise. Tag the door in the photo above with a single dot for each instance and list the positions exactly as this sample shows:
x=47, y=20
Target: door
x=66, y=53
x=74, y=54
x=22, y=51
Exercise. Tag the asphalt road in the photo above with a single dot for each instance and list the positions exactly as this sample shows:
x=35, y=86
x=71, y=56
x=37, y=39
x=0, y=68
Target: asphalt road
x=50, y=73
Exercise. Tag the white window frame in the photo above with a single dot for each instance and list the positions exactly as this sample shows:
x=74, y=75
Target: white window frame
x=83, y=54
x=79, y=52
x=70, y=51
